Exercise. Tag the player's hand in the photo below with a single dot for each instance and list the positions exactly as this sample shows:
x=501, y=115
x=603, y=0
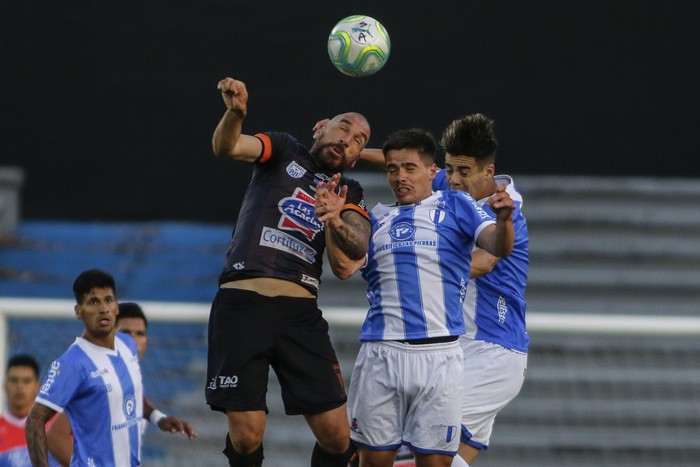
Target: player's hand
x=177, y=425
x=329, y=203
x=501, y=203
x=235, y=94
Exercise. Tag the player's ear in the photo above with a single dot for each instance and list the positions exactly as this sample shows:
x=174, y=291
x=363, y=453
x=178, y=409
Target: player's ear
x=320, y=126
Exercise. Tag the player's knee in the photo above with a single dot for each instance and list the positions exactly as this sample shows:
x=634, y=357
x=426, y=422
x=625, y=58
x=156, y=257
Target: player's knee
x=335, y=444
x=243, y=458
x=244, y=442
x=323, y=458
x=246, y=437
x=334, y=438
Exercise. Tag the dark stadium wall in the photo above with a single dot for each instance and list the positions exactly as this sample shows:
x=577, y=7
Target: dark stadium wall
x=109, y=106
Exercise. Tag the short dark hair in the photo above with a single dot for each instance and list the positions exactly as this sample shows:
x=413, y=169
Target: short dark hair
x=413, y=138
x=131, y=310
x=24, y=360
x=88, y=280
x=473, y=135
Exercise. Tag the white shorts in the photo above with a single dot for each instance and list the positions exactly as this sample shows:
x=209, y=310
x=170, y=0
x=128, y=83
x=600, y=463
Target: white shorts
x=492, y=377
x=406, y=394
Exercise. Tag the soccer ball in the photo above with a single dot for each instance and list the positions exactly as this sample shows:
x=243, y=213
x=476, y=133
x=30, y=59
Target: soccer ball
x=359, y=46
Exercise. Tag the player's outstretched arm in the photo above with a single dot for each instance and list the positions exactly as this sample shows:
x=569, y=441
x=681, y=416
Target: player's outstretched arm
x=167, y=423
x=347, y=234
x=228, y=140
x=177, y=425
x=374, y=157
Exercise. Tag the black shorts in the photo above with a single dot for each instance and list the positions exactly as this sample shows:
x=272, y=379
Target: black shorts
x=249, y=332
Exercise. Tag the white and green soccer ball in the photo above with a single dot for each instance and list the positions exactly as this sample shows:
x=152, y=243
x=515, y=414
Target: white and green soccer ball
x=359, y=46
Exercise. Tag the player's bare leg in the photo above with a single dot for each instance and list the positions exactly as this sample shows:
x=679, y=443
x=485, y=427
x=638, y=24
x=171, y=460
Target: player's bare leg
x=432, y=460
x=246, y=430
x=332, y=432
x=331, y=429
x=468, y=453
x=372, y=458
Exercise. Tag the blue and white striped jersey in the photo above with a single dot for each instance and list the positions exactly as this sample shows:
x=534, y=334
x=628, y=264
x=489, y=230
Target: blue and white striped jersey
x=100, y=389
x=418, y=266
x=494, y=309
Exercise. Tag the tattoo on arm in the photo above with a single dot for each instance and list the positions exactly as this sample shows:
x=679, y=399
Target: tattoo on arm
x=35, y=433
x=353, y=236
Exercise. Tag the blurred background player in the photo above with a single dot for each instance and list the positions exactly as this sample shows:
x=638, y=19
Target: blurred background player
x=131, y=321
x=21, y=387
x=76, y=383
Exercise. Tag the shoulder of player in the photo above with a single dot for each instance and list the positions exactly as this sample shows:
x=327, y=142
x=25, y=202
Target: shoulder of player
x=511, y=188
x=276, y=144
x=121, y=339
x=453, y=196
x=350, y=182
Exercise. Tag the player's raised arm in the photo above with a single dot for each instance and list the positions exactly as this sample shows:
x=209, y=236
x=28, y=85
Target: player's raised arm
x=499, y=239
x=228, y=140
x=373, y=157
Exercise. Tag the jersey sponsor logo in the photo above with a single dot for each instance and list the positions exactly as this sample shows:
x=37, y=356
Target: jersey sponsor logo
x=294, y=170
x=54, y=371
x=318, y=178
x=239, y=265
x=502, y=309
x=306, y=279
x=278, y=240
x=402, y=234
x=405, y=244
x=223, y=382
x=402, y=231
x=99, y=373
x=298, y=214
x=129, y=409
x=129, y=406
x=479, y=210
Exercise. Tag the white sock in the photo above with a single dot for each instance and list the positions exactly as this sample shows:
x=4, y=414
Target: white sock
x=458, y=462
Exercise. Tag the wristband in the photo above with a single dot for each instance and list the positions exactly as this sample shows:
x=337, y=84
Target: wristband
x=156, y=416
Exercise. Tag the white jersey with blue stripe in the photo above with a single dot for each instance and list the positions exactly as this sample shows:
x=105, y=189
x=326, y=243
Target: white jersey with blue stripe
x=101, y=392
x=418, y=266
x=494, y=309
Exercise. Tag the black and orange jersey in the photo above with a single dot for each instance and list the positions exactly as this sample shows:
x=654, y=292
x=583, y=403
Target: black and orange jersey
x=277, y=233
